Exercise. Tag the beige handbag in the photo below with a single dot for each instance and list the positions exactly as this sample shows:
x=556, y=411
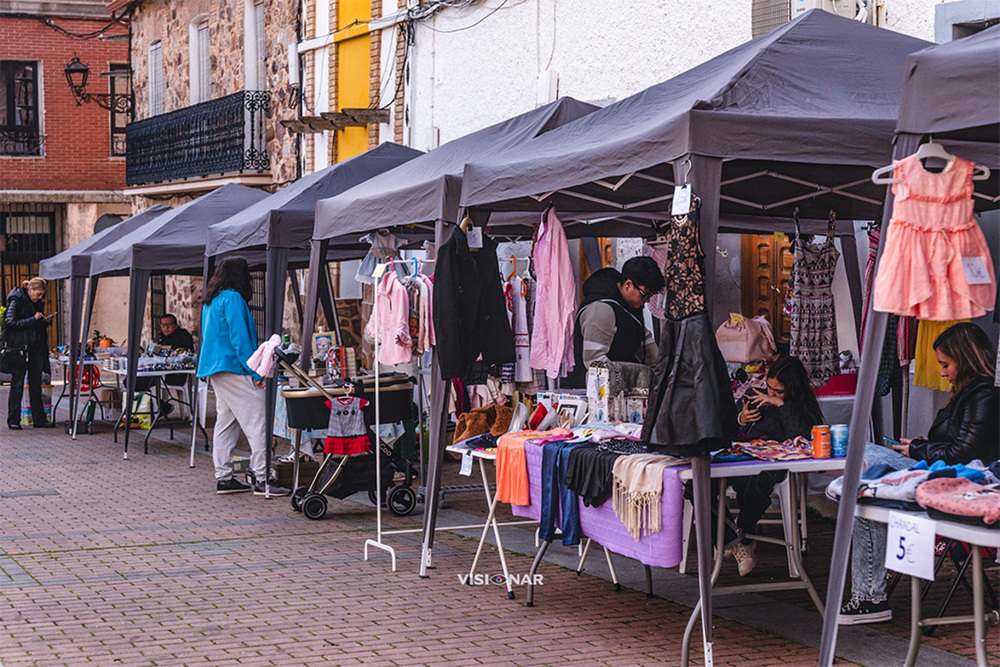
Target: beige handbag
x=744, y=340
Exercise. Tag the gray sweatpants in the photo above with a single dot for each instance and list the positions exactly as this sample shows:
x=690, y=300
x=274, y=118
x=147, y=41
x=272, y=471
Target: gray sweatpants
x=240, y=405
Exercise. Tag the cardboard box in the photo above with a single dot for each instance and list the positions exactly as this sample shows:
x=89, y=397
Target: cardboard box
x=286, y=473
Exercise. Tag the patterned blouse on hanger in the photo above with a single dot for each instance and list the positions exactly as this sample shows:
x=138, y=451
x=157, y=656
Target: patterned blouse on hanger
x=812, y=316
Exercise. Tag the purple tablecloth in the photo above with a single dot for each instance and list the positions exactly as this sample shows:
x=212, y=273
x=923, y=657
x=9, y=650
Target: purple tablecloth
x=661, y=549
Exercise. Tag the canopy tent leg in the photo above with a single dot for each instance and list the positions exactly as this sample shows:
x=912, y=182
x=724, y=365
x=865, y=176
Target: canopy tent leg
x=329, y=301
x=317, y=261
x=88, y=309
x=138, y=284
x=437, y=433
x=274, y=311
x=76, y=297
x=857, y=437
x=293, y=278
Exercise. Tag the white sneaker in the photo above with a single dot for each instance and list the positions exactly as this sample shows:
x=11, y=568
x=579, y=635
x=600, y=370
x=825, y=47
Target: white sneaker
x=745, y=555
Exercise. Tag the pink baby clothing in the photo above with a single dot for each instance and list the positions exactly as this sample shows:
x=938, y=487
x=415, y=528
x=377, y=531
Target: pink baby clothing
x=395, y=344
x=555, y=305
x=935, y=263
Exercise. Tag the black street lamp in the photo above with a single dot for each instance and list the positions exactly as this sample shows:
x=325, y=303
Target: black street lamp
x=76, y=76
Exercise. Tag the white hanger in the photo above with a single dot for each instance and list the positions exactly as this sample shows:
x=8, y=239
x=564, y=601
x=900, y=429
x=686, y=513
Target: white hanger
x=883, y=175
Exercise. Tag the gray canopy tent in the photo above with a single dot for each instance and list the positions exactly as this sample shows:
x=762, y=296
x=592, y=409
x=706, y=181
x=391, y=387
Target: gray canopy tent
x=74, y=263
x=172, y=244
x=794, y=119
x=281, y=226
x=417, y=200
x=952, y=94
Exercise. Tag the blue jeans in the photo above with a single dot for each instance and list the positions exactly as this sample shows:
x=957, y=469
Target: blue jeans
x=868, y=544
x=555, y=456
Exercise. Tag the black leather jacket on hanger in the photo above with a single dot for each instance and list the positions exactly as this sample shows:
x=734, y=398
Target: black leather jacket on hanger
x=967, y=428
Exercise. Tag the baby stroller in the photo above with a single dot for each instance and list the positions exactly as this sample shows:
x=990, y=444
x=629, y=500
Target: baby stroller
x=342, y=476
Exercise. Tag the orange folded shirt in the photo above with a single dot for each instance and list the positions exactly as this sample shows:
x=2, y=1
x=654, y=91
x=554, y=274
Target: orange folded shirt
x=512, y=467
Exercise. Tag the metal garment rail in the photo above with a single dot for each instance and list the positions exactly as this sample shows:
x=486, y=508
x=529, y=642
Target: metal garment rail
x=378, y=542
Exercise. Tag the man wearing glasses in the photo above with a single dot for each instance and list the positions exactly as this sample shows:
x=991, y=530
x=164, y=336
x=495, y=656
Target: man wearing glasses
x=609, y=323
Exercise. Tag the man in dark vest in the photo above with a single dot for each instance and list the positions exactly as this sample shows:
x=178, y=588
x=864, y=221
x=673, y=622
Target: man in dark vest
x=609, y=323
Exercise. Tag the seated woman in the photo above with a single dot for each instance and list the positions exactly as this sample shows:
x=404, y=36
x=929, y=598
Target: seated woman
x=965, y=429
x=789, y=409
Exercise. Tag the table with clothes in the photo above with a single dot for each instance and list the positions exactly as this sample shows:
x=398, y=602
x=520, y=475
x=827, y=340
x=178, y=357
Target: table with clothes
x=597, y=482
x=963, y=500
x=652, y=536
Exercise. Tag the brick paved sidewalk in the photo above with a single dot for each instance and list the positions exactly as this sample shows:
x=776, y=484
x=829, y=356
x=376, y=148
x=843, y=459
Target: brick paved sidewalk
x=139, y=562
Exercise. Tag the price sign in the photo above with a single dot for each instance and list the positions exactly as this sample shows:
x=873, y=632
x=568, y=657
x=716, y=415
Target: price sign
x=682, y=200
x=976, y=272
x=380, y=270
x=466, y=464
x=910, y=545
x=475, y=236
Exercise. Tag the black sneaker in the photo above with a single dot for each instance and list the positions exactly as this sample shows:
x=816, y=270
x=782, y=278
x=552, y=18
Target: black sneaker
x=858, y=612
x=44, y=424
x=274, y=489
x=14, y=426
x=223, y=487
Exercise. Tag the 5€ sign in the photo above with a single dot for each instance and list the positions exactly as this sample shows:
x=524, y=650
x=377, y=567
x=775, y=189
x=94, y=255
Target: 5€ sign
x=910, y=545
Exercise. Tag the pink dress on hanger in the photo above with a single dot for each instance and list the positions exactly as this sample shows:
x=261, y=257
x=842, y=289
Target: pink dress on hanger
x=935, y=264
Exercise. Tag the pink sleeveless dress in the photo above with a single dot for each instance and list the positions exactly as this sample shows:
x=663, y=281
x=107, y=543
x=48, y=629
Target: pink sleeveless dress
x=935, y=264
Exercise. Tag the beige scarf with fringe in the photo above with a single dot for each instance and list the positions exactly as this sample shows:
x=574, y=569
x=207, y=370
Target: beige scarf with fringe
x=638, y=488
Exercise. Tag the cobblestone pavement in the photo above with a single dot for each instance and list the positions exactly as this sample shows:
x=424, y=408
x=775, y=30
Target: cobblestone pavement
x=139, y=562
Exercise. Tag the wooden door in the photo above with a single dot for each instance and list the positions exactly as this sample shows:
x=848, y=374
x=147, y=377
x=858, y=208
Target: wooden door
x=766, y=263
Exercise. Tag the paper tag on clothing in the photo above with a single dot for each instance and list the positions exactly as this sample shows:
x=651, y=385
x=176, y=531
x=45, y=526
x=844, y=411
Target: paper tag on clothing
x=682, y=200
x=975, y=271
x=466, y=464
x=380, y=270
x=910, y=545
x=592, y=386
x=475, y=236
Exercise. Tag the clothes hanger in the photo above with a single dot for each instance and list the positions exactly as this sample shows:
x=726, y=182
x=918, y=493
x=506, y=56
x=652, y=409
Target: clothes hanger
x=513, y=271
x=883, y=175
x=416, y=267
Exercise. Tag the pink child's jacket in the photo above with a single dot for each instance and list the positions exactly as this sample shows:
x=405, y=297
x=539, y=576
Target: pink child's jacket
x=555, y=303
x=395, y=344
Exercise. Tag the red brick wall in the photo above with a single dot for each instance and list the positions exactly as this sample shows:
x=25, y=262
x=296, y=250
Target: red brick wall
x=77, y=139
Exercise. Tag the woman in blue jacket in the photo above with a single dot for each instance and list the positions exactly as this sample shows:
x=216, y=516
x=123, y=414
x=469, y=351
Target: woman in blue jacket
x=229, y=338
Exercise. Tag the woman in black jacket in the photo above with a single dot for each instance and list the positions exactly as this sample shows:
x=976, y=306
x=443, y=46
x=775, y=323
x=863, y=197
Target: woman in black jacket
x=26, y=350
x=964, y=430
x=787, y=410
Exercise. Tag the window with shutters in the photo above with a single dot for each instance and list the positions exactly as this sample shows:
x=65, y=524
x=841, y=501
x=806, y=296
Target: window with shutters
x=258, y=23
x=20, y=130
x=198, y=41
x=118, y=85
x=155, y=79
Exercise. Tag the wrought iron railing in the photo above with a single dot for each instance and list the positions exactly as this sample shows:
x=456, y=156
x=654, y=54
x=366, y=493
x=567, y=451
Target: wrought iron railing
x=221, y=136
x=17, y=142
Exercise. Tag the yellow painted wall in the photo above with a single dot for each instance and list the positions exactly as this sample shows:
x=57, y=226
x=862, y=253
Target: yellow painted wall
x=353, y=71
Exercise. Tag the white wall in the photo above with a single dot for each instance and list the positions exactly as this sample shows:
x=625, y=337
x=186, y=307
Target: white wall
x=602, y=51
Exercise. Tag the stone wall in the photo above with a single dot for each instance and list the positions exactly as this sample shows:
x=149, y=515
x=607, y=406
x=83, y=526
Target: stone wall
x=168, y=21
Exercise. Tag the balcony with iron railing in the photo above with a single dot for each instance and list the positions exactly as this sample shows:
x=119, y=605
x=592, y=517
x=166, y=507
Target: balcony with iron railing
x=214, y=138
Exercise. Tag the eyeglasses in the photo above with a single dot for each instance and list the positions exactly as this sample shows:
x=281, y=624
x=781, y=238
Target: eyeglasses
x=646, y=296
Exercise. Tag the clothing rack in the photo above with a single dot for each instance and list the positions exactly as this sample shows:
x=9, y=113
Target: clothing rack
x=378, y=543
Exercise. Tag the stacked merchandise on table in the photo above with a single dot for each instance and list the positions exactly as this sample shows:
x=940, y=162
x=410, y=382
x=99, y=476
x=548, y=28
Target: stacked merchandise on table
x=566, y=477
x=968, y=493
